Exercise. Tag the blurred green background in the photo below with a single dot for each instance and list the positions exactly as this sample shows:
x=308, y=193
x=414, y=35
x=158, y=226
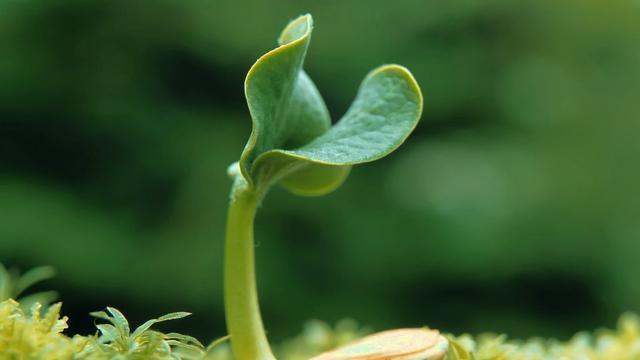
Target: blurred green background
x=513, y=208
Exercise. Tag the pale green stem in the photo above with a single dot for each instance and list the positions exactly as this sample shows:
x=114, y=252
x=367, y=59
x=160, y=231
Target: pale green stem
x=244, y=323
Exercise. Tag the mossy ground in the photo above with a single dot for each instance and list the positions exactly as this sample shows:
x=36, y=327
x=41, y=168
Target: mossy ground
x=30, y=330
x=38, y=333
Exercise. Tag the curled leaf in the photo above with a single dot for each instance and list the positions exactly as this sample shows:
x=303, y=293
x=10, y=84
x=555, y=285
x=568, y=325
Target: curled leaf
x=292, y=141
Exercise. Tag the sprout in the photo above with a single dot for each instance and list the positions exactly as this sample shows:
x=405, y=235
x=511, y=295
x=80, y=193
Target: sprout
x=116, y=340
x=293, y=144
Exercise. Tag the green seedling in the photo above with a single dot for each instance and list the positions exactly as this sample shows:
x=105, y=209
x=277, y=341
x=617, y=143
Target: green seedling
x=117, y=339
x=293, y=144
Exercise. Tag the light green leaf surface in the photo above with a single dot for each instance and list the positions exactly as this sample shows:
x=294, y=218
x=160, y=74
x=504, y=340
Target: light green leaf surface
x=13, y=286
x=174, y=316
x=108, y=332
x=184, y=338
x=119, y=320
x=32, y=277
x=100, y=315
x=292, y=141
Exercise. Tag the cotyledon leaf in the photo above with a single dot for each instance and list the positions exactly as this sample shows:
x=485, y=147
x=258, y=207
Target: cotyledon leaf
x=384, y=113
x=292, y=142
x=286, y=108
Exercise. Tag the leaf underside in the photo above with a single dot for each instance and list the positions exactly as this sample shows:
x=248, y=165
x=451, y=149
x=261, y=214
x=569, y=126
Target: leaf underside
x=292, y=141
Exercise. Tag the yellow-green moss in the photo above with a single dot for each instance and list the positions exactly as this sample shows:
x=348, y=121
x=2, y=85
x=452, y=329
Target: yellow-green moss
x=38, y=334
x=623, y=343
x=31, y=336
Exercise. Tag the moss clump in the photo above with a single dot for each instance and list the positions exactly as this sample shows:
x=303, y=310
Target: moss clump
x=38, y=334
x=622, y=343
x=318, y=337
x=32, y=336
x=29, y=330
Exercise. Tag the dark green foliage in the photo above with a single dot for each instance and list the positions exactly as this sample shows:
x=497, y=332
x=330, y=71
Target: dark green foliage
x=117, y=116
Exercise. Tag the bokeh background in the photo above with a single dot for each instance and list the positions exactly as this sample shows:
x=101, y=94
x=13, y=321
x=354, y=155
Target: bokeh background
x=513, y=208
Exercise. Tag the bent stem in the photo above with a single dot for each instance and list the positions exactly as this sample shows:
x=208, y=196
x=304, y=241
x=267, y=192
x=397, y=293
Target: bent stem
x=244, y=323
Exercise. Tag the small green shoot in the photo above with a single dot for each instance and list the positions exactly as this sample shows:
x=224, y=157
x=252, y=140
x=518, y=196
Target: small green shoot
x=117, y=339
x=293, y=144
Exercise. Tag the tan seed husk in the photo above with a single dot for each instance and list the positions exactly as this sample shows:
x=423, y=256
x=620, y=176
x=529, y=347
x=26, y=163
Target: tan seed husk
x=399, y=344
